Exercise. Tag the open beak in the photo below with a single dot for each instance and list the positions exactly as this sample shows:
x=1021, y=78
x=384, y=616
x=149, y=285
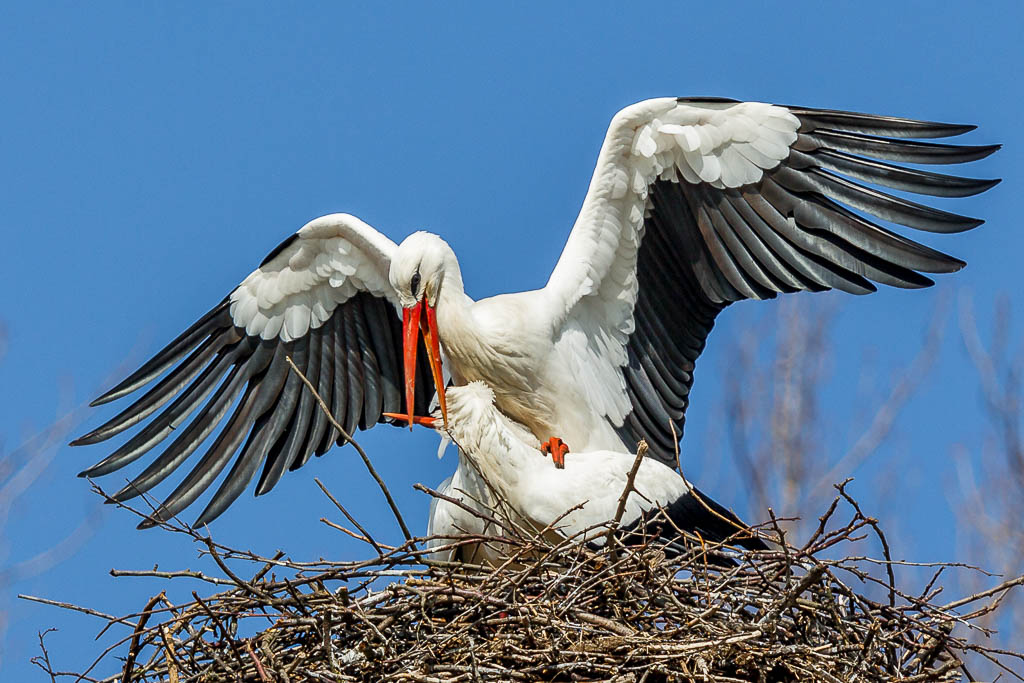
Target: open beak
x=421, y=317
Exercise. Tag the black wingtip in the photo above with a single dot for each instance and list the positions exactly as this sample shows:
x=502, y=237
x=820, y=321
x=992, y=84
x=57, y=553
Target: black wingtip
x=103, y=467
x=866, y=287
x=122, y=389
x=100, y=401
x=983, y=151
x=956, y=264
x=697, y=514
x=93, y=437
x=812, y=118
x=157, y=517
x=974, y=186
x=714, y=522
x=959, y=128
x=204, y=519
x=214, y=509
x=129, y=491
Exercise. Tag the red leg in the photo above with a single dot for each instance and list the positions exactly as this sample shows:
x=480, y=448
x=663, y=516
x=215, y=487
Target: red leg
x=557, y=449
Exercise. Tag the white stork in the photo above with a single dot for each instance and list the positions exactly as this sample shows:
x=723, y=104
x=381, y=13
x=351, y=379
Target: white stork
x=466, y=507
x=694, y=204
x=447, y=520
x=572, y=502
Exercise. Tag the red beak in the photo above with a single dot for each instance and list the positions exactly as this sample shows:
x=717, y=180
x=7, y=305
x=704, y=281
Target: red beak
x=414, y=322
x=425, y=421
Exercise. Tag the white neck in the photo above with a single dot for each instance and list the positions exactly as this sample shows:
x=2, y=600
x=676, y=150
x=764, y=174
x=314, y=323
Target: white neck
x=459, y=334
x=451, y=295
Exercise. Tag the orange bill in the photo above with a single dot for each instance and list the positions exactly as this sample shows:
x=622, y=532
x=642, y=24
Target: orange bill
x=434, y=354
x=410, y=335
x=414, y=322
x=424, y=421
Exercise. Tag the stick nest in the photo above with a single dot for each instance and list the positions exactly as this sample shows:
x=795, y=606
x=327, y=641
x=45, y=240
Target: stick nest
x=558, y=611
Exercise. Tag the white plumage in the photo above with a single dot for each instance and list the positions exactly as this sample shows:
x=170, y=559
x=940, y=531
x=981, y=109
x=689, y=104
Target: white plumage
x=332, y=259
x=448, y=521
x=694, y=204
x=574, y=502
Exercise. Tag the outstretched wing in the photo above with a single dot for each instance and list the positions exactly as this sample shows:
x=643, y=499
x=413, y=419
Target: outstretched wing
x=321, y=298
x=697, y=203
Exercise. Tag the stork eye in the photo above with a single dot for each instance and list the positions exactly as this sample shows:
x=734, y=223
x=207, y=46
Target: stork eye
x=415, y=285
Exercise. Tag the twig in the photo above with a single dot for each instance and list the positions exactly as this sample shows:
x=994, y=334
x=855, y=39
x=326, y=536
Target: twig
x=675, y=440
x=70, y=606
x=256, y=661
x=1004, y=586
x=350, y=518
x=362, y=454
x=44, y=662
x=620, y=509
x=133, y=649
x=557, y=608
x=180, y=574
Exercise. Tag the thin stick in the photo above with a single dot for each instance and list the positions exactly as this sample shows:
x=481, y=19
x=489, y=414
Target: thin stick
x=455, y=501
x=641, y=451
x=239, y=581
x=675, y=440
x=557, y=607
x=362, y=454
x=1004, y=586
x=133, y=649
x=181, y=574
x=45, y=663
x=256, y=660
x=337, y=504
x=75, y=608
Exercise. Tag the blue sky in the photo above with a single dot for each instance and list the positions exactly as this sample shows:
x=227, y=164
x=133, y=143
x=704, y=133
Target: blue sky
x=155, y=152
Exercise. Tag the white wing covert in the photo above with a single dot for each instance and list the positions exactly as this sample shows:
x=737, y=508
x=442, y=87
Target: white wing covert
x=698, y=203
x=323, y=299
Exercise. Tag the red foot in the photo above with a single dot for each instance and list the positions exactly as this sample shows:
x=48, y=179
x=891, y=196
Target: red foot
x=557, y=449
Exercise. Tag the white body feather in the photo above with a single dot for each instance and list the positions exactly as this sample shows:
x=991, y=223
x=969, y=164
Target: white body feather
x=447, y=521
x=542, y=493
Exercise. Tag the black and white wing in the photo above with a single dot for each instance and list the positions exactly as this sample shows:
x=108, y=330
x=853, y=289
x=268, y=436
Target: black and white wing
x=321, y=298
x=697, y=203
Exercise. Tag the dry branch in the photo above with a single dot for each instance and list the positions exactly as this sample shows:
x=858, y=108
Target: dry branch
x=560, y=612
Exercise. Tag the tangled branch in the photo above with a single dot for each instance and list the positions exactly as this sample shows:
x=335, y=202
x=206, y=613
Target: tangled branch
x=557, y=610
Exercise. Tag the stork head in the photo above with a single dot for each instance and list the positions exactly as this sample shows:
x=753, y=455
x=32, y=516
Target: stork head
x=418, y=268
x=417, y=273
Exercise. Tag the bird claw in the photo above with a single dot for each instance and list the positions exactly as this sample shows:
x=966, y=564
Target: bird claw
x=557, y=449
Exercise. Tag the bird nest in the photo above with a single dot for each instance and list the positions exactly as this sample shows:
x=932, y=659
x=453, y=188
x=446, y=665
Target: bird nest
x=557, y=611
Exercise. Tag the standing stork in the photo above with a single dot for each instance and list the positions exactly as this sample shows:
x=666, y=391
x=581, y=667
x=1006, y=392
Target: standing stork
x=694, y=204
